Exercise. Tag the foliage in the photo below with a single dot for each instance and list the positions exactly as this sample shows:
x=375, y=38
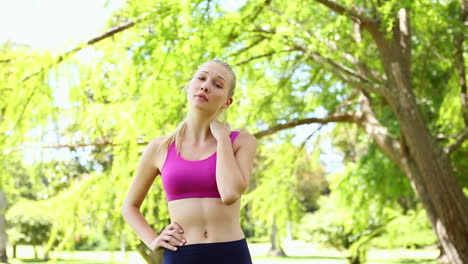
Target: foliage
x=29, y=223
x=295, y=178
x=334, y=224
x=374, y=182
x=128, y=92
x=411, y=230
x=365, y=199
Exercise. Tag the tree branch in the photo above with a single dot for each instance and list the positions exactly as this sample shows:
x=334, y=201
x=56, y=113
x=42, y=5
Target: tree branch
x=257, y=11
x=323, y=60
x=365, y=21
x=92, y=41
x=345, y=103
x=365, y=119
x=370, y=25
x=77, y=145
x=362, y=67
x=344, y=73
x=386, y=142
x=403, y=35
x=269, y=54
x=111, y=32
x=343, y=117
x=460, y=138
x=244, y=49
x=460, y=61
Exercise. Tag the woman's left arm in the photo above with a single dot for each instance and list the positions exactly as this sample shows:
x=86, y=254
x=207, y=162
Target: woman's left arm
x=233, y=170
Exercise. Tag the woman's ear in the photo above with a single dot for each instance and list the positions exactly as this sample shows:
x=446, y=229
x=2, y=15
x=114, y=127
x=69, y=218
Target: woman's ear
x=228, y=103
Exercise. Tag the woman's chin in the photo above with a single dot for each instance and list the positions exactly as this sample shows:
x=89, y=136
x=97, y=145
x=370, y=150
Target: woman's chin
x=202, y=108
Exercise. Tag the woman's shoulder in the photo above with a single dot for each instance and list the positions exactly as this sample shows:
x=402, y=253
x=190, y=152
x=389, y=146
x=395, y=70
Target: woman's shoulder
x=158, y=152
x=159, y=140
x=156, y=143
x=244, y=137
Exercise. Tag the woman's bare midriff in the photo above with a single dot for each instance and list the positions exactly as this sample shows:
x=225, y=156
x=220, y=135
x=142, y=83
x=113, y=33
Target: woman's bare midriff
x=207, y=220
x=204, y=220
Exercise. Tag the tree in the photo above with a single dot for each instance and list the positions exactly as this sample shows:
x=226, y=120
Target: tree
x=364, y=201
x=278, y=193
x=376, y=64
x=378, y=74
x=3, y=236
x=30, y=225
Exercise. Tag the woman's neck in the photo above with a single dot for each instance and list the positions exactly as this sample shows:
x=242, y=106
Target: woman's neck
x=198, y=128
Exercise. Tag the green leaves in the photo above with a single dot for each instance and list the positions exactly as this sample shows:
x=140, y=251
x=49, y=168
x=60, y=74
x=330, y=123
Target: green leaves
x=290, y=59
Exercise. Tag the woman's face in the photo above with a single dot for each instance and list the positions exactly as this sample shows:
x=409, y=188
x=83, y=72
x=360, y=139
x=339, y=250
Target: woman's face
x=209, y=88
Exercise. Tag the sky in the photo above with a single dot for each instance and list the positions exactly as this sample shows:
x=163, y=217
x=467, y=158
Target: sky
x=53, y=24
x=58, y=25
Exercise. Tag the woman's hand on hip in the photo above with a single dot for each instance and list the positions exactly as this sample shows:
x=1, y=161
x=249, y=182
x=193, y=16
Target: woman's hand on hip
x=171, y=238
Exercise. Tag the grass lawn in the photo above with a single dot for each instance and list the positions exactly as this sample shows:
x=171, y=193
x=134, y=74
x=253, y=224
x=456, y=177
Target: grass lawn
x=298, y=252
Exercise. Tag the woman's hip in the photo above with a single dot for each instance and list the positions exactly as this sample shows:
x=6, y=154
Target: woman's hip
x=231, y=252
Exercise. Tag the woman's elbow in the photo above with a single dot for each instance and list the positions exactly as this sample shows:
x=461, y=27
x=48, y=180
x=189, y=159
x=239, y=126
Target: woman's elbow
x=233, y=195
x=124, y=210
x=229, y=199
x=127, y=210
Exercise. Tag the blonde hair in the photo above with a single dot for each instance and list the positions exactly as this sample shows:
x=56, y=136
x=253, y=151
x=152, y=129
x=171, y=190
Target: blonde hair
x=179, y=132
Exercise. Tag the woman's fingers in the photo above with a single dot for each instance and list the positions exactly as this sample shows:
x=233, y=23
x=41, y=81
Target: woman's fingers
x=177, y=231
x=167, y=245
x=178, y=236
x=177, y=227
x=169, y=238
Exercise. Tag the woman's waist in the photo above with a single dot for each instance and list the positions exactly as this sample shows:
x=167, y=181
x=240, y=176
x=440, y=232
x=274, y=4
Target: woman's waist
x=201, y=212
x=206, y=220
x=211, y=235
x=197, y=231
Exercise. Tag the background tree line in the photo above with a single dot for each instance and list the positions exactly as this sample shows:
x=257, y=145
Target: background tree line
x=390, y=74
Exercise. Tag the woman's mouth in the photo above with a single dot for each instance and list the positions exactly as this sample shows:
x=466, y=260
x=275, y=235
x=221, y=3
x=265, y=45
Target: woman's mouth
x=202, y=96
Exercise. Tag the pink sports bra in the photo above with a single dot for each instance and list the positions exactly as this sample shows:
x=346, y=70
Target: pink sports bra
x=190, y=178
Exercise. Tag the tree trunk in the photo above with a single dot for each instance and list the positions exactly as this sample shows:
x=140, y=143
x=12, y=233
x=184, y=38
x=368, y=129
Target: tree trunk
x=436, y=183
x=151, y=257
x=438, y=178
x=3, y=236
x=442, y=258
x=46, y=253
x=36, y=256
x=275, y=249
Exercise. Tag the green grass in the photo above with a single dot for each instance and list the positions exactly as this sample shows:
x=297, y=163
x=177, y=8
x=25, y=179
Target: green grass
x=298, y=252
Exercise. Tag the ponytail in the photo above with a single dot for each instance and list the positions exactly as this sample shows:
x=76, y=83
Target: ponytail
x=177, y=136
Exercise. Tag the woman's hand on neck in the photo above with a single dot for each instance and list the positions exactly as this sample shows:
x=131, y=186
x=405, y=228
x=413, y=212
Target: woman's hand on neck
x=198, y=127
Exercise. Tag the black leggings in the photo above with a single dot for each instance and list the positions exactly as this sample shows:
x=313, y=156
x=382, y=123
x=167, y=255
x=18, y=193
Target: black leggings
x=232, y=252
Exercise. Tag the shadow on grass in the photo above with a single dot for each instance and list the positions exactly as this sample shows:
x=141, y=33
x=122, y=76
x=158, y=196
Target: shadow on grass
x=60, y=261
x=302, y=257
x=412, y=261
x=333, y=258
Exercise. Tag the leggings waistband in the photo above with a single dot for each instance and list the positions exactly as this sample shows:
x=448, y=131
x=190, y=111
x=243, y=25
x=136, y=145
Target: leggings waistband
x=231, y=252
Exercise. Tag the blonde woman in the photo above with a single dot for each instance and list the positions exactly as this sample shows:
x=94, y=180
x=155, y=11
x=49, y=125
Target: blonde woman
x=205, y=168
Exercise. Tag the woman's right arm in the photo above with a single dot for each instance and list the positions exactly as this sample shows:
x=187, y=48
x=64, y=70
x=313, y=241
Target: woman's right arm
x=144, y=178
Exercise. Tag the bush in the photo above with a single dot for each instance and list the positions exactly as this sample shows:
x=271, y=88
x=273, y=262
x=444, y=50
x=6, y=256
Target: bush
x=408, y=231
x=28, y=224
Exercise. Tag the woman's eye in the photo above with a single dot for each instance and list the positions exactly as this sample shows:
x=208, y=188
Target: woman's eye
x=201, y=78
x=219, y=86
